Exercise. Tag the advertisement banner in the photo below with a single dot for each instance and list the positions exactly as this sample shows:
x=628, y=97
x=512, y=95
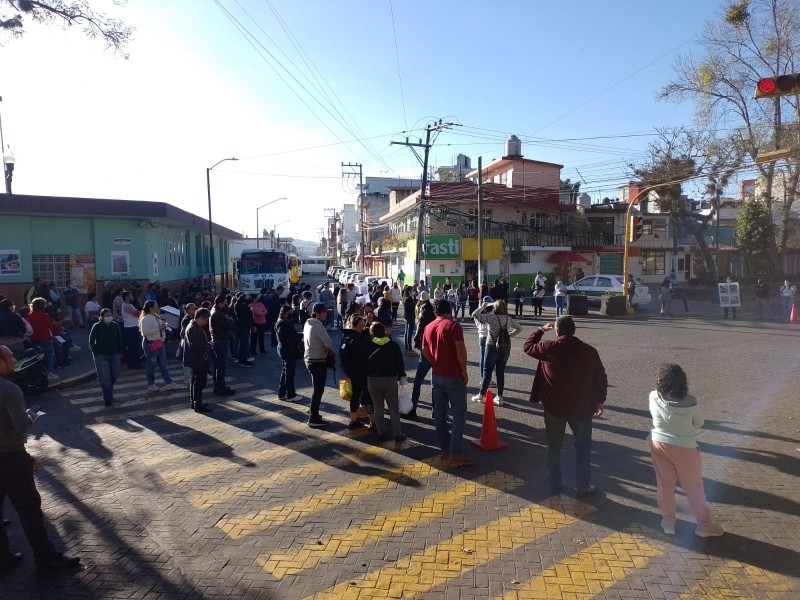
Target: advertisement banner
x=10, y=262
x=82, y=272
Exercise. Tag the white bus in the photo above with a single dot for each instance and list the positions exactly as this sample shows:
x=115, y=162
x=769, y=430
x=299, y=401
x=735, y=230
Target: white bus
x=315, y=265
x=263, y=268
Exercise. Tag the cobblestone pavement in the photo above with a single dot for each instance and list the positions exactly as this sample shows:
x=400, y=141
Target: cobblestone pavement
x=248, y=502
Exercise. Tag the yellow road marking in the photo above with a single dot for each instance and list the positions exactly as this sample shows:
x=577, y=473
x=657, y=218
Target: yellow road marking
x=435, y=506
x=440, y=563
x=590, y=571
x=207, y=499
x=740, y=581
x=292, y=511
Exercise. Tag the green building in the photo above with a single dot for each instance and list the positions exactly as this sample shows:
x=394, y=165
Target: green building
x=92, y=240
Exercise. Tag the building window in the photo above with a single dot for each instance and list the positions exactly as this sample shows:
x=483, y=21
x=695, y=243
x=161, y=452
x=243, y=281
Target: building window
x=52, y=268
x=524, y=218
x=655, y=227
x=653, y=263
x=537, y=221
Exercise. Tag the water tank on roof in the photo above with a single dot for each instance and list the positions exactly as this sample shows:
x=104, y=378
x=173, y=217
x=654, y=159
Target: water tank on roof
x=514, y=147
x=584, y=200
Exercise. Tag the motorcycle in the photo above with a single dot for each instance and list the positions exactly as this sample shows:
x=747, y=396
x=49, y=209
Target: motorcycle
x=29, y=373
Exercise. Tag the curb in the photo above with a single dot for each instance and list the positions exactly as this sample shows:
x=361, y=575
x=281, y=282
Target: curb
x=73, y=381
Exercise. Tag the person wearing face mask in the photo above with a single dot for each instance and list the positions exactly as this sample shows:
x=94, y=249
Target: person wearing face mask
x=105, y=342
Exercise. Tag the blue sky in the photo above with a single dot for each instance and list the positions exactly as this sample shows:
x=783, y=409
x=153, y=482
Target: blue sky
x=83, y=122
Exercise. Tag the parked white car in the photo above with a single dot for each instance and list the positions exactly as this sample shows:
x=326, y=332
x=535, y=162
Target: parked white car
x=595, y=286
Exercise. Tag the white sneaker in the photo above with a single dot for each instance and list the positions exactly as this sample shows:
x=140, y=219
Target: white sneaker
x=153, y=388
x=668, y=527
x=52, y=376
x=251, y=359
x=477, y=398
x=498, y=401
x=172, y=386
x=76, y=347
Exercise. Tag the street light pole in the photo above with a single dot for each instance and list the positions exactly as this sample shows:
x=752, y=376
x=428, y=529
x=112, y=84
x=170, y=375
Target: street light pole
x=211, y=223
x=275, y=232
x=258, y=231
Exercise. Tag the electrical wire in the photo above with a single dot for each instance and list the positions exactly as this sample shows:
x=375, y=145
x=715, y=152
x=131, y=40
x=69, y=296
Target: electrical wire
x=397, y=57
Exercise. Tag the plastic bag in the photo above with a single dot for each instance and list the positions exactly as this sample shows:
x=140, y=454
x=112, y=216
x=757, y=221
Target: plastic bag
x=404, y=399
x=345, y=389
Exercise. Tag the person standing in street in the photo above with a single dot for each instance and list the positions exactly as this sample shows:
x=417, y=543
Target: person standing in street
x=273, y=304
x=500, y=329
x=130, y=331
x=245, y=329
x=473, y=296
x=560, y=296
x=483, y=331
x=220, y=327
x=665, y=296
x=409, y=308
x=519, y=299
x=318, y=346
x=16, y=478
x=673, y=448
x=326, y=297
x=762, y=298
x=105, y=342
x=443, y=347
x=571, y=383
x=630, y=289
x=787, y=292
x=152, y=328
x=260, y=323
x=44, y=329
x=196, y=349
x=385, y=371
x=426, y=317
x=288, y=342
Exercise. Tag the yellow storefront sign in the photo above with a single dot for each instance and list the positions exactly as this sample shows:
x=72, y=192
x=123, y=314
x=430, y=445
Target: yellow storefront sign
x=492, y=249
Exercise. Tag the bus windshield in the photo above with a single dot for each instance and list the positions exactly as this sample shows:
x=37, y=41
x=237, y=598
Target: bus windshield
x=253, y=264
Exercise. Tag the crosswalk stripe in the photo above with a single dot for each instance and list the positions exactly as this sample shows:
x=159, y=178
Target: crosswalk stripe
x=123, y=415
x=740, y=581
x=439, y=563
x=372, y=530
x=237, y=527
x=253, y=485
x=590, y=571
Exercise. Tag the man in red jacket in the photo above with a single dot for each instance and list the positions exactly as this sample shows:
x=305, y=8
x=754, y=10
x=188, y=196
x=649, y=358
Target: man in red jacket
x=571, y=383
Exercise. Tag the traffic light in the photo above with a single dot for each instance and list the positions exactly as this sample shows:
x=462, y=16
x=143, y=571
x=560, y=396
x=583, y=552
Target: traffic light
x=781, y=85
x=636, y=228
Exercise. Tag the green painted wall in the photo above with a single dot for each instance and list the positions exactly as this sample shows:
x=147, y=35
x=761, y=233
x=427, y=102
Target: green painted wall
x=54, y=235
x=105, y=231
x=15, y=234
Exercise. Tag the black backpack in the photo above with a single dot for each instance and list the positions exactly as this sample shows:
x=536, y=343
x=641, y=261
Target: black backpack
x=503, y=343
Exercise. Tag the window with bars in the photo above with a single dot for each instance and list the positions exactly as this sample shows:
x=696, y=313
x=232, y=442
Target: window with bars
x=52, y=268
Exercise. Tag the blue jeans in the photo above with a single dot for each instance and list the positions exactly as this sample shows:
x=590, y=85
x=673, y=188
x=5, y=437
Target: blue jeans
x=561, y=302
x=61, y=349
x=159, y=357
x=220, y=364
x=409, y=334
x=49, y=354
x=107, y=367
x=288, y=367
x=423, y=366
x=449, y=392
x=482, y=351
x=582, y=432
x=788, y=301
x=494, y=361
x=133, y=354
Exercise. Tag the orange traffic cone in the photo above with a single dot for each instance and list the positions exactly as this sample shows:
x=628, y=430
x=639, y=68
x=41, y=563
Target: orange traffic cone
x=793, y=315
x=489, y=439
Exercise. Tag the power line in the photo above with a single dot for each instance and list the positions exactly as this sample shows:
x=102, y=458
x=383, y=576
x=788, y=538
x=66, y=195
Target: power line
x=397, y=57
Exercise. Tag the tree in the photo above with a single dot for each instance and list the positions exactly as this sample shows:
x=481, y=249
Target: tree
x=754, y=230
x=566, y=185
x=749, y=39
x=445, y=175
x=678, y=156
x=15, y=13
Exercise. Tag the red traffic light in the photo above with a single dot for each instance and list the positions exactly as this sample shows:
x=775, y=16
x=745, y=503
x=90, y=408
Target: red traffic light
x=766, y=85
x=780, y=85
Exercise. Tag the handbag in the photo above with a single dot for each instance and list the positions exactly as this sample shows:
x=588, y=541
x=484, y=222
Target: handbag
x=156, y=346
x=404, y=404
x=345, y=389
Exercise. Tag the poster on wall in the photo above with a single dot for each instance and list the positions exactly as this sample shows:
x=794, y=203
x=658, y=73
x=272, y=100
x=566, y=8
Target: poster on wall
x=10, y=262
x=120, y=262
x=82, y=272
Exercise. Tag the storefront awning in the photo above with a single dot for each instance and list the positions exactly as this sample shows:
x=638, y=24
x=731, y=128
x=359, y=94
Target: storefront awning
x=566, y=256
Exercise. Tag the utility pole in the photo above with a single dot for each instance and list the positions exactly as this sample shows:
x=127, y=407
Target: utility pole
x=480, y=220
x=423, y=194
x=362, y=211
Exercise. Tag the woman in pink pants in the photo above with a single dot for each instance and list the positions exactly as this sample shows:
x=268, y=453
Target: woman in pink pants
x=673, y=446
